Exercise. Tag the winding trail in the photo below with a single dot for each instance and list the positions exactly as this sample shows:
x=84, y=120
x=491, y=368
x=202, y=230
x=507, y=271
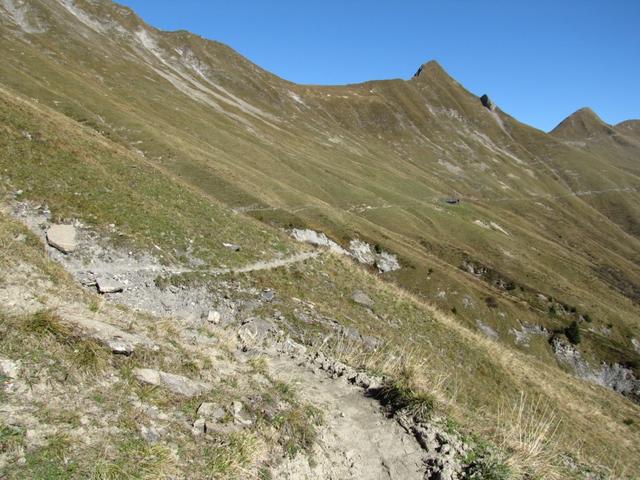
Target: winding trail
x=137, y=267
x=356, y=440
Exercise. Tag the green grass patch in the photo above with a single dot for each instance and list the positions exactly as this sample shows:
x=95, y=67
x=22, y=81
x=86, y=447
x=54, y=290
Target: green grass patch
x=401, y=393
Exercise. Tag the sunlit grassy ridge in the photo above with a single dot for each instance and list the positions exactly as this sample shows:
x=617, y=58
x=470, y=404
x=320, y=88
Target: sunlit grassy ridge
x=110, y=121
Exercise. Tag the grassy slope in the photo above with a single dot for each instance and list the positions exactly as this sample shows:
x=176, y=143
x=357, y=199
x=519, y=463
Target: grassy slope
x=473, y=377
x=378, y=144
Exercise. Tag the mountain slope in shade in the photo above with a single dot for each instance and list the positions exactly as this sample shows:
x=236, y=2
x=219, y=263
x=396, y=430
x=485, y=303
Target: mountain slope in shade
x=546, y=233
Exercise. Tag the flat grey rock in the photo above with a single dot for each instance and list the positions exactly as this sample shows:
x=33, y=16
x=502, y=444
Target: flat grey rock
x=108, y=285
x=62, y=237
x=362, y=298
x=175, y=383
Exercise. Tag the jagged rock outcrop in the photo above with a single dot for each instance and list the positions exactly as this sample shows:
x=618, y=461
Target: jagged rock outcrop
x=487, y=102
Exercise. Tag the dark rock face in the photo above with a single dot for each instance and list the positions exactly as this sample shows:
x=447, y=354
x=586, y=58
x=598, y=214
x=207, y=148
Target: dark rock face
x=487, y=103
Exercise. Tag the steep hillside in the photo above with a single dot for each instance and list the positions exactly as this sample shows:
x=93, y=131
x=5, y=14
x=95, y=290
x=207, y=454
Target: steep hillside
x=509, y=239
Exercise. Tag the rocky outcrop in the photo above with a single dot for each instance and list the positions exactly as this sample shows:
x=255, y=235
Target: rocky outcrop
x=613, y=376
x=318, y=239
x=368, y=255
x=362, y=252
x=487, y=103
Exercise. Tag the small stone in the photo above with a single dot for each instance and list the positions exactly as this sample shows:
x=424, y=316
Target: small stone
x=62, y=237
x=232, y=246
x=268, y=296
x=237, y=408
x=120, y=347
x=199, y=427
x=362, y=298
x=213, y=317
x=150, y=434
x=9, y=368
x=107, y=285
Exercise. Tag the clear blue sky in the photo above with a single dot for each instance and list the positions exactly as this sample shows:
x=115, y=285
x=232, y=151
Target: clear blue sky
x=539, y=60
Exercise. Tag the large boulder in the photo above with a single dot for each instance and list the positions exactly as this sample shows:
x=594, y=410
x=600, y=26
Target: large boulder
x=487, y=103
x=62, y=237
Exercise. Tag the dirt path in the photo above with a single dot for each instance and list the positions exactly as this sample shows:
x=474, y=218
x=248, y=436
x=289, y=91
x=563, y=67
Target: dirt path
x=129, y=267
x=356, y=441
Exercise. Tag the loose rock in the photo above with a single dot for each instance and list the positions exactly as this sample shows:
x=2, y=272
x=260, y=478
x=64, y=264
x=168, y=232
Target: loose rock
x=62, y=237
x=175, y=383
x=213, y=317
x=119, y=346
x=9, y=368
x=199, y=427
x=108, y=285
x=362, y=298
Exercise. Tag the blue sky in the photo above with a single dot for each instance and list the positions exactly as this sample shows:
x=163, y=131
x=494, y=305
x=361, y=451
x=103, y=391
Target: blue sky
x=539, y=60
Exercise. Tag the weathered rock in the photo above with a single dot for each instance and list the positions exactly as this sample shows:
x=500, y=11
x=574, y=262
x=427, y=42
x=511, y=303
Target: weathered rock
x=487, y=330
x=9, y=368
x=268, y=295
x=368, y=255
x=211, y=412
x=150, y=434
x=119, y=346
x=386, y=262
x=213, y=317
x=487, y=103
x=613, y=376
x=62, y=237
x=317, y=238
x=175, y=383
x=362, y=298
x=362, y=252
x=237, y=409
x=253, y=331
x=199, y=427
x=108, y=285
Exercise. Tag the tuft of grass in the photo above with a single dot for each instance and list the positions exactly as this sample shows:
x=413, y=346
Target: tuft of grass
x=136, y=458
x=46, y=323
x=11, y=438
x=50, y=461
x=230, y=457
x=90, y=356
x=259, y=365
x=528, y=431
x=297, y=428
x=402, y=393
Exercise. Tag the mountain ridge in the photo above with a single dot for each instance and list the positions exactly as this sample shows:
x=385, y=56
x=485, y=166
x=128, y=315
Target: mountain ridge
x=514, y=235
